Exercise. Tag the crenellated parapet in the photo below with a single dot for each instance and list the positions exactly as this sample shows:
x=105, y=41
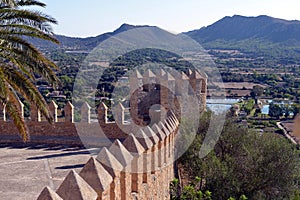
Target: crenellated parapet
x=64, y=130
x=136, y=160
x=154, y=94
x=140, y=167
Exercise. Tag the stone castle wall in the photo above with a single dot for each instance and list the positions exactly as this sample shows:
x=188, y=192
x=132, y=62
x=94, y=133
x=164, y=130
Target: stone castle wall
x=140, y=167
x=137, y=156
x=150, y=89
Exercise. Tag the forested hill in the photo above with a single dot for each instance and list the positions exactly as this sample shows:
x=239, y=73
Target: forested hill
x=263, y=35
x=80, y=44
x=241, y=28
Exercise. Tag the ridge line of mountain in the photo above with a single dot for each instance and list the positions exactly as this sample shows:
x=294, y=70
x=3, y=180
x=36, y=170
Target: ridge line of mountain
x=231, y=32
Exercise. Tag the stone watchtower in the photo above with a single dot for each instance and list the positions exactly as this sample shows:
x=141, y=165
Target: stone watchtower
x=155, y=93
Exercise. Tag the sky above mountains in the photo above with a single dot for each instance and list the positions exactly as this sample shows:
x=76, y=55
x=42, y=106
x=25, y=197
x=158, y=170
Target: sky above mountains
x=93, y=17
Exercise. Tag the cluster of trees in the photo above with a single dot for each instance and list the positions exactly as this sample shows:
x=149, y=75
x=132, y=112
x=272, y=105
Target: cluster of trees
x=193, y=191
x=283, y=91
x=257, y=91
x=279, y=110
x=243, y=162
x=247, y=106
x=70, y=63
x=137, y=58
x=255, y=48
x=282, y=81
x=270, y=79
x=283, y=86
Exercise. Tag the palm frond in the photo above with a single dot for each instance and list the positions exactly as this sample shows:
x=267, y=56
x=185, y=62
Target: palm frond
x=20, y=61
x=8, y=3
x=10, y=100
x=30, y=3
x=15, y=115
x=27, y=89
x=25, y=16
x=37, y=62
x=25, y=30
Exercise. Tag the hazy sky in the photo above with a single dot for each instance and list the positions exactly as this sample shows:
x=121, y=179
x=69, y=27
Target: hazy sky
x=92, y=17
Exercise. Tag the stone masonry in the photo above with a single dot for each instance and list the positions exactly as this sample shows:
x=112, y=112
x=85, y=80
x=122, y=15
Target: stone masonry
x=136, y=160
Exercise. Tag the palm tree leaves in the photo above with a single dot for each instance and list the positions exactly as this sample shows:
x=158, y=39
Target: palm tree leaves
x=10, y=100
x=35, y=19
x=15, y=114
x=30, y=3
x=26, y=88
x=8, y=3
x=20, y=61
x=25, y=30
x=27, y=57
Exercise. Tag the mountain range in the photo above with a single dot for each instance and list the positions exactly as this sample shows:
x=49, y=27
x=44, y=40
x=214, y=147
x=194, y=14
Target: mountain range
x=252, y=34
x=81, y=44
x=240, y=28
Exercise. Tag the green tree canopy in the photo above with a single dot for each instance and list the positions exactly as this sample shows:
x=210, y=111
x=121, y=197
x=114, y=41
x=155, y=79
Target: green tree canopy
x=275, y=110
x=259, y=166
x=257, y=91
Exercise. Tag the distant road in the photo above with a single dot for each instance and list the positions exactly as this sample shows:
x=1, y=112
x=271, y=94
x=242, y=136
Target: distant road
x=286, y=133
